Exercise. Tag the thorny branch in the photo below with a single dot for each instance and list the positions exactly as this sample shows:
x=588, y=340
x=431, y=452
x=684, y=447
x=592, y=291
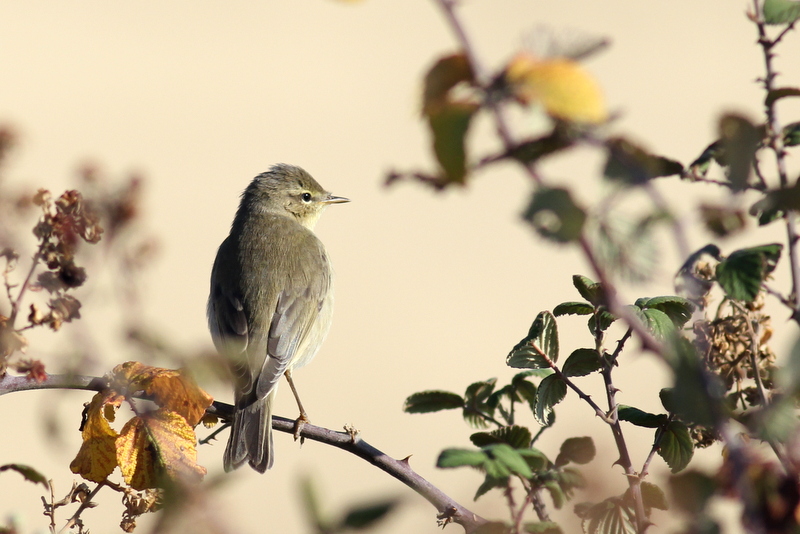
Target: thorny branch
x=775, y=139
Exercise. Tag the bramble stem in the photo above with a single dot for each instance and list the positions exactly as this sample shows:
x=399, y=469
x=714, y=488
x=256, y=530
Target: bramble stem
x=449, y=510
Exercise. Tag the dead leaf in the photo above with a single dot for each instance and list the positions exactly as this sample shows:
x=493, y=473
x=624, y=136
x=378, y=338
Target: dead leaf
x=97, y=456
x=171, y=389
x=155, y=445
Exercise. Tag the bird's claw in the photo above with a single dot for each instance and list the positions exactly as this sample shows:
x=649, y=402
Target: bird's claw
x=299, y=423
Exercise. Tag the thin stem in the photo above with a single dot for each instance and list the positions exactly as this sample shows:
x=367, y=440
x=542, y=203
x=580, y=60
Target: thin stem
x=587, y=398
x=613, y=421
x=75, y=519
x=634, y=481
x=15, y=304
x=654, y=449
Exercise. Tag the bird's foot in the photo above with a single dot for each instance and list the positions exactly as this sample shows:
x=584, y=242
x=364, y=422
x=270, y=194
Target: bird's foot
x=299, y=423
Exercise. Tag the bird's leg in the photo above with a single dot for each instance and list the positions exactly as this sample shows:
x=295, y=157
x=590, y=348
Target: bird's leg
x=301, y=421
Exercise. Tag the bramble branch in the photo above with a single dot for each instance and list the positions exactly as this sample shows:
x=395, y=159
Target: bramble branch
x=449, y=510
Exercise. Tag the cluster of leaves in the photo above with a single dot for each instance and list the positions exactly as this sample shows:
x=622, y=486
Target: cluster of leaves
x=507, y=452
x=453, y=95
x=155, y=448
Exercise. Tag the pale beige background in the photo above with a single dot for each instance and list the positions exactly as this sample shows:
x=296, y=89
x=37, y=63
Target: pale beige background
x=432, y=290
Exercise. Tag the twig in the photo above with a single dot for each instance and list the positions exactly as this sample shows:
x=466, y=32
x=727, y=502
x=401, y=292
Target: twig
x=76, y=517
x=449, y=509
x=643, y=472
x=208, y=439
x=634, y=480
x=15, y=304
x=587, y=398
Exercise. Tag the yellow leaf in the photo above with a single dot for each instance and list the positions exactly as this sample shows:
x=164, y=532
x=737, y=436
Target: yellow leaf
x=156, y=446
x=97, y=456
x=560, y=85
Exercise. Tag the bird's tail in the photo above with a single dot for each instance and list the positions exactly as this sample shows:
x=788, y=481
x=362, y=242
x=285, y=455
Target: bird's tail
x=251, y=436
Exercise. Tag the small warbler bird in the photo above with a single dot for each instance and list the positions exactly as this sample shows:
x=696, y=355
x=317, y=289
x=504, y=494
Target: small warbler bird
x=271, y=302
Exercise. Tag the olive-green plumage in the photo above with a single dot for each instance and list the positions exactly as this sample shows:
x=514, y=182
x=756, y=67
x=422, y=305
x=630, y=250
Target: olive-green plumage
x=271, y=300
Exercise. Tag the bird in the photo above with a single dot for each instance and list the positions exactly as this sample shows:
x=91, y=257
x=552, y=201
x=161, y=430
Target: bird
x=270, y=302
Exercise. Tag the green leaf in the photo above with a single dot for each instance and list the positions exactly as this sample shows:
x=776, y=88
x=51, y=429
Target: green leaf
x=775, y=203
x=432, y=401
x=678, y=309
x=475, y=402
x=573, y=308
x=570, y=478
x=364, y=517
x=526, y=390
x=781, y=11
x=509, y=458
x=556, y=493
x=600, y=322
x=534, y=149
x=691, y=491
x=590, y=290
x=653, y=496
x=450, y=458
x=488, y=484
x=535, y=458
x=449, y=125
x=612, y=516
x=517, y=437
x=659, y=323
x=713, y=152
x=638, y=417
x=310, y=500
x=676, y=447
x=629, y=163
x=552, y=390
x=742, y=273
x=791, y=134
x=740, y=139
x=577, y=450
x=544, y=334
x=782, y=92
x=723, y=220
x=696, y=391
x=667, y=397
x=555, y=215
x=29, y=473
x=542, y=527
x=493, y=527
x=777, y=422
x=582, y=362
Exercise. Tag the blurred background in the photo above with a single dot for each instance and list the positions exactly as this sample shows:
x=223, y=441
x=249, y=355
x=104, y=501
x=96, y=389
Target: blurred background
x=432, y=290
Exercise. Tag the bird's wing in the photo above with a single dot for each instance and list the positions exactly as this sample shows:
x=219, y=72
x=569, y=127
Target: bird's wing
x=295, y=315
x=228, y=324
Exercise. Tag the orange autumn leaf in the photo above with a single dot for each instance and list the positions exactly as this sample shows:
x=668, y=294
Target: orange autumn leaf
x=169, y=388
x=97, y=456
x=560, y=85
x=157, y=445
x=153, y=446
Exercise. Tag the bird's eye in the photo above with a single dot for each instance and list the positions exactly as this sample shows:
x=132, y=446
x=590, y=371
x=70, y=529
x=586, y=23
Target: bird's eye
x=306, y=197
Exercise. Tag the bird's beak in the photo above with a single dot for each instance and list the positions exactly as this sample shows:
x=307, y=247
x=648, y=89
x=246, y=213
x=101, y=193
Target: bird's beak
x=335, y=200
